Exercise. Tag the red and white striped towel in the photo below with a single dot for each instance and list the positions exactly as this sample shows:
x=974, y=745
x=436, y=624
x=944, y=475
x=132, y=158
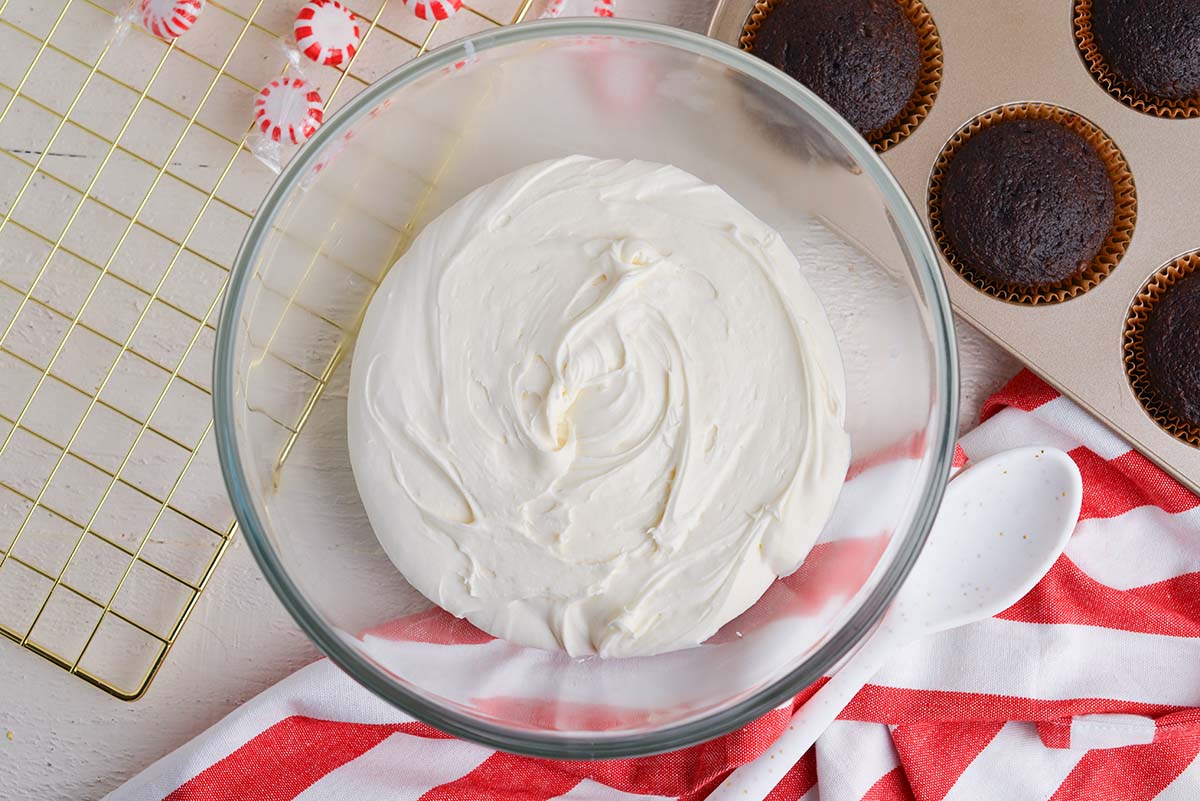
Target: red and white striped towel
x=1087, y=688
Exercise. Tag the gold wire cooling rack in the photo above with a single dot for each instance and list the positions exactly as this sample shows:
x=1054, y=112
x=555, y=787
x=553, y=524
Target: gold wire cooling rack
x=125, y=187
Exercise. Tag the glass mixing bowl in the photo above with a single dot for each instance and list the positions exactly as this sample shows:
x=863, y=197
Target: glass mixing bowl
x=410, y=145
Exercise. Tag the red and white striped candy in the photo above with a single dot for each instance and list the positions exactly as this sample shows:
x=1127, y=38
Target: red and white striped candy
x=326, y=31
x=433, y=9
x=600, y=8
x=167, y=19
x=288, y=109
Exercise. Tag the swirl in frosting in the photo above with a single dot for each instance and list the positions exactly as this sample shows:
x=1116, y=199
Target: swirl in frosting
x=596, y=407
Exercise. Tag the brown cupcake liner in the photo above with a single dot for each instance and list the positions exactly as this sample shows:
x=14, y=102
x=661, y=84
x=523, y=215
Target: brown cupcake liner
x=929, y=78
x=1124, y=197
x=1114, y=84
x=1134, y=346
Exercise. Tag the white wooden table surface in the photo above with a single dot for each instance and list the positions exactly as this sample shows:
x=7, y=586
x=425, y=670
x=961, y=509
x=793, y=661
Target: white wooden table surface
x=62, y=739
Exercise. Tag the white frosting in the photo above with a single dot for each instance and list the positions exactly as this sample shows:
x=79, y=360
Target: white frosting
x=596, y=407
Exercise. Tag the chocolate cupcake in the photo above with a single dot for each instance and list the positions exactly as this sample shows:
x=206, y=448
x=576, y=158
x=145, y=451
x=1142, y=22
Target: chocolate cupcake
x=1027, y=203
x=1162, y=358
x=1144, y=53
x=1171, y=346
x=863, y=57
x=1153, y=45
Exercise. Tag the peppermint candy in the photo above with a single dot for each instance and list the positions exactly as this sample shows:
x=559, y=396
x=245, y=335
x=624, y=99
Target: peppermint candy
x=168, y=19
x=327, y=32
x=600, y=8
x=288, y=109
x=433, y=9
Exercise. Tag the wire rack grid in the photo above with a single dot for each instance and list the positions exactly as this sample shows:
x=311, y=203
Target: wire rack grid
x=125, y=184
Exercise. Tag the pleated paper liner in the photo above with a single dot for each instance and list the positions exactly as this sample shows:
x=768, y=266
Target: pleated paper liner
x=1134, y=346
x=929, y=78
x=1124, y=197
x=1114, y=84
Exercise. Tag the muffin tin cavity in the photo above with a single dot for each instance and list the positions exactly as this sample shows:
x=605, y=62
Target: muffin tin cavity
x=1031, y=197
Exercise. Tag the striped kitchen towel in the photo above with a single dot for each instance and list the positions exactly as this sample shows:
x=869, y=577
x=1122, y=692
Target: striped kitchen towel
x=1087, y=688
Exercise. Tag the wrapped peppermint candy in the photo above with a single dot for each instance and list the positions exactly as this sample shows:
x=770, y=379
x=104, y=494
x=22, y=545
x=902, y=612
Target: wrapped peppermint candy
x=288, y=110
x=433, y=9
x=327, y=32
x=579, y=8
x=168, y=19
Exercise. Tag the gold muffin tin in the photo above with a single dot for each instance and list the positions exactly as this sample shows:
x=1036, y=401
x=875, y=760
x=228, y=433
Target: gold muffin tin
x=1002, y=52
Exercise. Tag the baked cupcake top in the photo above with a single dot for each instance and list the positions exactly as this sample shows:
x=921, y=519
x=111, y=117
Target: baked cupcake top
x=1026, y=203
x=1172, y=357
x=862, y=57
x=1153, y=45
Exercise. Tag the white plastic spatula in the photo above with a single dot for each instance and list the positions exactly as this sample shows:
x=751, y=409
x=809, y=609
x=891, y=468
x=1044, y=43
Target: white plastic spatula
x=1002, y=524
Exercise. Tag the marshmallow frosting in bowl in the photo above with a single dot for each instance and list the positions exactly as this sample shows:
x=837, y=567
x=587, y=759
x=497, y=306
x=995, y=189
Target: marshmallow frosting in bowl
x=596, y=407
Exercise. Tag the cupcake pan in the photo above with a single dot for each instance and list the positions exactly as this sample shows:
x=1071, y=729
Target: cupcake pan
x=1025, y=51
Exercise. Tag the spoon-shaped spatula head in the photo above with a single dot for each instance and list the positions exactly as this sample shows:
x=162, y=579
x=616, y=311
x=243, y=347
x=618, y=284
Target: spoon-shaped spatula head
x=1002, y=524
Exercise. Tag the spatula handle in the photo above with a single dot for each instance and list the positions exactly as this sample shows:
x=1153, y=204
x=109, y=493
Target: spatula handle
x=755, y=780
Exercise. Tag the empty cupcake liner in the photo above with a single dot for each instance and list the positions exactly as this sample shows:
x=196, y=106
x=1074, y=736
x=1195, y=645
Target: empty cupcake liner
x=1114, y=84
x=1134, y=346
x=1124, y=197
x=929, y=78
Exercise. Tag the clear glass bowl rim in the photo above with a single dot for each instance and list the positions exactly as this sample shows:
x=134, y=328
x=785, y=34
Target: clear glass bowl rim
x=589, y=745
